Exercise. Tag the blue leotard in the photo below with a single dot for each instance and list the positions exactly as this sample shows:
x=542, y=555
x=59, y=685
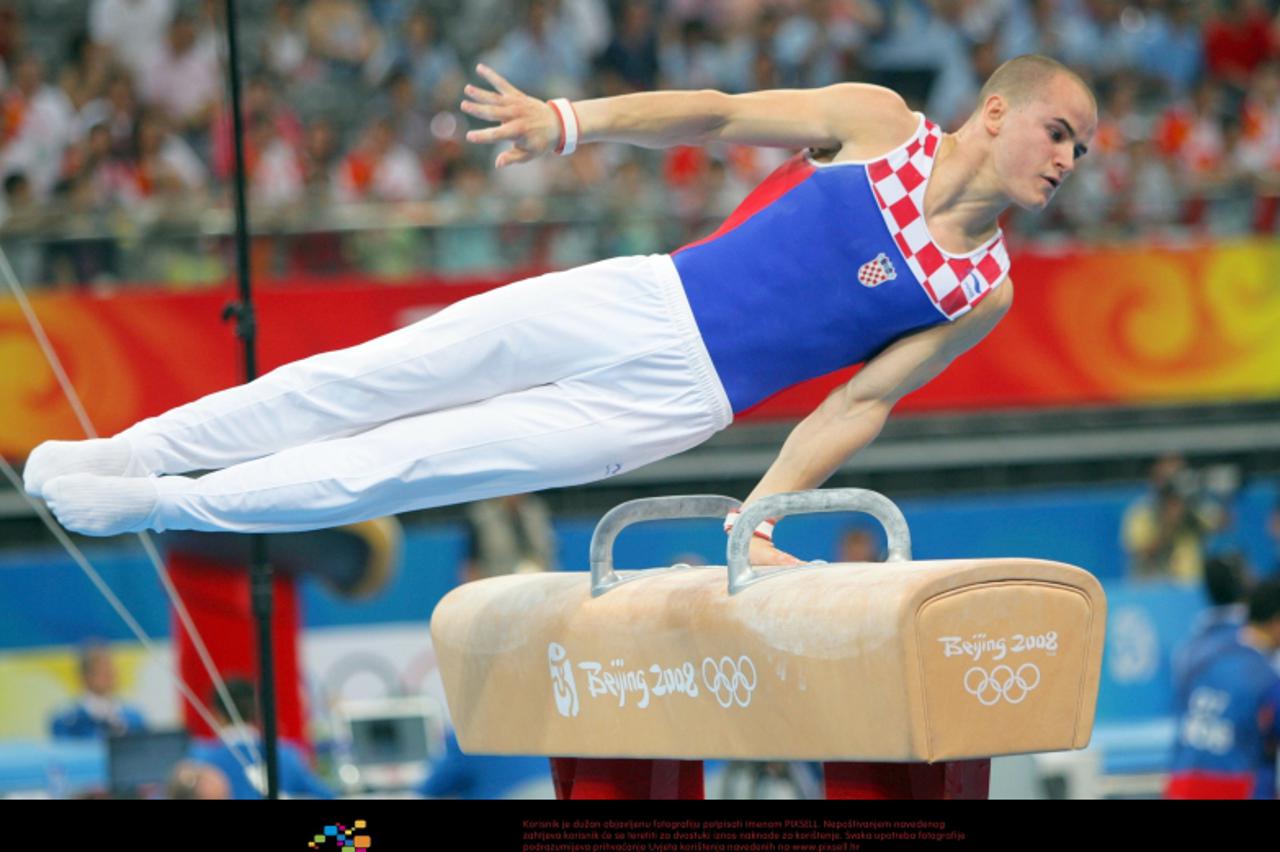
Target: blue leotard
x=823, y=265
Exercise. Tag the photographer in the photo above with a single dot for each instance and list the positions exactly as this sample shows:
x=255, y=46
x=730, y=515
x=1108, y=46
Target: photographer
x=1165, y=532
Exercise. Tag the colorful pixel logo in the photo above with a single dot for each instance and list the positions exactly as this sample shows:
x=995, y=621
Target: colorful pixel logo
x=342, y=837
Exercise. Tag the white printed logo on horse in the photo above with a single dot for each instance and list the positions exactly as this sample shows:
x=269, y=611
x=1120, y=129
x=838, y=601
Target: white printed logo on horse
x=729, y=680
x=562, y=685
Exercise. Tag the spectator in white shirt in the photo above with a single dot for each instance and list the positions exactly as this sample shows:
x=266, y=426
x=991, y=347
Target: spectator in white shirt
x=117, y=109
x=167, y=167
x=101, y=179
x=341, y=33
x=85, y=75
x=42, y=126
x=276, y=175
x=285, y=45
x=380, y=169
x=184, y=77
x=131, y=28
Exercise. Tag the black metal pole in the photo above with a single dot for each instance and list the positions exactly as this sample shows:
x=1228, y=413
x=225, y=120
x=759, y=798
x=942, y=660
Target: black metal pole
x=260, y=572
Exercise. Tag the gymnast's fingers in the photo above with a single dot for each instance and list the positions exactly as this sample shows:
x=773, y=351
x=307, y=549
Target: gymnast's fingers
x=762, y=552
x=514, y=156
x=488, y=112
x=499, y=82
x=482, y=95
x=508, y=130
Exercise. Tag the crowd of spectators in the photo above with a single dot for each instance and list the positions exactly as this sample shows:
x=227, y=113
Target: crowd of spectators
x=114, y=118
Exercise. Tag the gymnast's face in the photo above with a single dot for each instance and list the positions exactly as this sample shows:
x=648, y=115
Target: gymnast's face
x=1040, y=141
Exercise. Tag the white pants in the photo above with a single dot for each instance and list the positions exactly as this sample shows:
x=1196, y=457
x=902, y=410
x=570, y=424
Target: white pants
x=553, y=381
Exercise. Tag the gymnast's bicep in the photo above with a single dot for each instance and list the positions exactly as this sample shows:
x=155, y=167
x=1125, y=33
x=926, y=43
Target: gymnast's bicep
x=823, y=118
x=910, y=363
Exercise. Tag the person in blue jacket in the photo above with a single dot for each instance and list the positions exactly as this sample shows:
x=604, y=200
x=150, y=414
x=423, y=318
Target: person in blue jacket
x=1226, y=582
x=98, y=713
x=296, y=778
x=1229, y=709
x=456, y=775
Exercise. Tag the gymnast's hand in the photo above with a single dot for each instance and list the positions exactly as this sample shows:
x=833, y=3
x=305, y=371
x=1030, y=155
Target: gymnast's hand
x=531, y=124
x=762, y=552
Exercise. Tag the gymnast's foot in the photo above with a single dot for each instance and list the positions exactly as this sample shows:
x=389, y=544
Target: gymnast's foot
x=52, y=459
x=101, y=505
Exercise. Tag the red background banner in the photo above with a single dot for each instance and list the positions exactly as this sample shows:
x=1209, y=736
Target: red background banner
x=1115, y=326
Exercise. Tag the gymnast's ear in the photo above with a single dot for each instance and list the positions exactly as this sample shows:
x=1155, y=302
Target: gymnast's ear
x=994, y=111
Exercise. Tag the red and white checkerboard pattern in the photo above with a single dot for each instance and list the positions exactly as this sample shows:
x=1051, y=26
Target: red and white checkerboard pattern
x=955, y=283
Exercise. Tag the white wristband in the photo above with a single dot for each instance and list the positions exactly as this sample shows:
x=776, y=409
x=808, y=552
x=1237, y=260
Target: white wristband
x=764, y=531
x=568, y=126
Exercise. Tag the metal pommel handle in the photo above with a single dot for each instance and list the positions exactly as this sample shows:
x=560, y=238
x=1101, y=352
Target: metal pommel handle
x=619, y=517
x=741, y=574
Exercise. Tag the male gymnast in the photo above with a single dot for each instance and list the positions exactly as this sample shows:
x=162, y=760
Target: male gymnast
x=877, y=244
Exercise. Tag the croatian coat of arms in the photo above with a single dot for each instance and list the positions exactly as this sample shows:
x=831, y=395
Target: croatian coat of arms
x=877, y=271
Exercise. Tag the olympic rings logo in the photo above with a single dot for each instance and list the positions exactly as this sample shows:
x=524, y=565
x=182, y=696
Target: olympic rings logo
x=730, y=681
x=1003, y=682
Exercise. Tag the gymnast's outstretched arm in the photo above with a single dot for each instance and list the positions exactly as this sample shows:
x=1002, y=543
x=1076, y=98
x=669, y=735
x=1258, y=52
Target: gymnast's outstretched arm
x=784, y=118
x=853, y=414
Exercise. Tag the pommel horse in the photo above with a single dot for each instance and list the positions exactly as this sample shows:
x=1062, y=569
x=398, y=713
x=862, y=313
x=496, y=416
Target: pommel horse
x=904, y=678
